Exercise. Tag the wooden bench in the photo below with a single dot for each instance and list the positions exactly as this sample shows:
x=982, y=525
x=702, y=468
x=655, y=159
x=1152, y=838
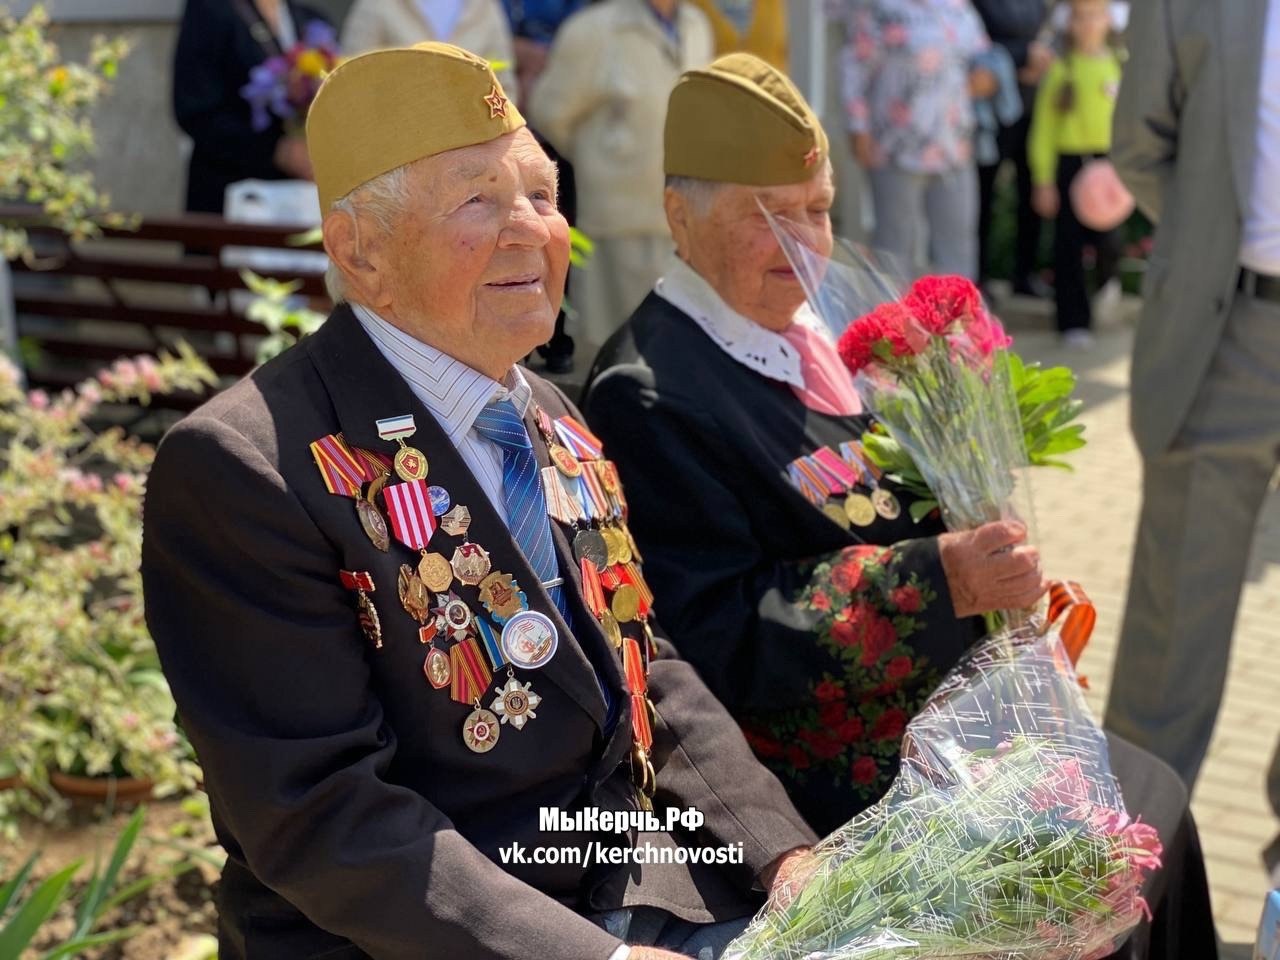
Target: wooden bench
x=81, y=305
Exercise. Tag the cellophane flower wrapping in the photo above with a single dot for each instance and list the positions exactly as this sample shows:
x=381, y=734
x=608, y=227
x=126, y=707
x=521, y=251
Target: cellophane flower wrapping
x=932, y=364
x=1003, y=837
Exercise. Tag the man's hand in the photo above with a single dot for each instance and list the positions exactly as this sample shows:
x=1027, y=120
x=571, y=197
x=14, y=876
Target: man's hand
x=866, y=151
x=291, y=156
x=991, y=568
x=786, y=876
x=982, y=83
x=653, y=953
x=1045, y=201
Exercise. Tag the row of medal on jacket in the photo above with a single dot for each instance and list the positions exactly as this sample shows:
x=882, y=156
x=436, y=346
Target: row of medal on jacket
x=584, y=493
x=851, y=478
x=464, y=650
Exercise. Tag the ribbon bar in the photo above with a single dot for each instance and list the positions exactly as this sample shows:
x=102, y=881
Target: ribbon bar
x=392, y=428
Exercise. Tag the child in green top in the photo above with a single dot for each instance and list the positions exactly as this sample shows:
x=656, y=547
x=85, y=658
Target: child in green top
x=1072, y=125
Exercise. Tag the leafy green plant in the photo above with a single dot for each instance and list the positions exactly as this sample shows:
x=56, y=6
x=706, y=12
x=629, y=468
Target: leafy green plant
x=80, y=686
x=284, y=314
x=1046, y=410
x=45, y=129
x=23, y=918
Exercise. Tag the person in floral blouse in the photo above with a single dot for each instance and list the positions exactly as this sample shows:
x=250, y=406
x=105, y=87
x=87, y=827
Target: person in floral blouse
x=909, y=80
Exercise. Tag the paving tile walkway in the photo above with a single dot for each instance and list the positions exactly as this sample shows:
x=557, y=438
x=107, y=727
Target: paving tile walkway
x=1086, y=522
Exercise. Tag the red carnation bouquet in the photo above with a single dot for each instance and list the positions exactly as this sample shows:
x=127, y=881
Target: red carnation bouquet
x=1004, y=834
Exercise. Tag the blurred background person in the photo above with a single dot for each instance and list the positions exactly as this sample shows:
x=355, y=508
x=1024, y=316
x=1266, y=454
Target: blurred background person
x=1197, y=141
x=1014, y=26
x=602, y=103
x=219, y=42
x=1072, y=125
x=908, y=82
x=749, y=26
x=534, y=24
x=480, y=26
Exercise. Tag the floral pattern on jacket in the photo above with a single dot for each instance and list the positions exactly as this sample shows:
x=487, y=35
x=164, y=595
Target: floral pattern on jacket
x=873, y=610
x=905, y=78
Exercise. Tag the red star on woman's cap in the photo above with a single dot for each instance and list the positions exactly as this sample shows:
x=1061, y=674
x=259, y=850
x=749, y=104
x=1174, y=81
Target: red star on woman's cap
x=497, y=103
x=811, y=157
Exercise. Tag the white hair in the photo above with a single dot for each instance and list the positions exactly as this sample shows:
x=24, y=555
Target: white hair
x=383, y=198
x=698, y=194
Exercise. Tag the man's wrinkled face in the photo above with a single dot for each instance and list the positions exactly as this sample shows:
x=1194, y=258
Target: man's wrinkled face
x=731, y=245
x=476, y=263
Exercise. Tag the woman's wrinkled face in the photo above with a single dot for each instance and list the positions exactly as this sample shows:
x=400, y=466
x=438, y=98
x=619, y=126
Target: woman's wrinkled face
x=476, y=263
x=732, y=246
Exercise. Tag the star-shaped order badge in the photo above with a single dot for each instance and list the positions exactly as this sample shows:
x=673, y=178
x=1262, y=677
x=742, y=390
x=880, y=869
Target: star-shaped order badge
x=515, y=703
x=496, y=102
x=453, y=616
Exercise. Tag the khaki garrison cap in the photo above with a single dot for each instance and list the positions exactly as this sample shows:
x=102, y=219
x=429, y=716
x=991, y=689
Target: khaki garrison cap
x=742, y=121
x=381, y=110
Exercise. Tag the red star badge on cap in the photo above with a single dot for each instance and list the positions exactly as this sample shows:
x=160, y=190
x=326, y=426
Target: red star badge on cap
x=497, y=103
x=811, y=157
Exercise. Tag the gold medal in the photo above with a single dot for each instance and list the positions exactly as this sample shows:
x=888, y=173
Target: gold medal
x=564, y=461
x=886, y=504
x=623, y=541
x=625, y=603
x=435, y=572
x=515, y=703
x=456, y=522
x=609, y=624
x=612, y=553
x=836, y=514
x=470, y=563
x=410, y=463
x=502, y=596
x=436, y=668
x=414, y=595
x=370, y=624
x=375, y=527
x=480, y=731
x=860, y=510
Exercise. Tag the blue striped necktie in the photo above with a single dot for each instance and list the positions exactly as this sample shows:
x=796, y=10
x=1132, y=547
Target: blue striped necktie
x=522, y=490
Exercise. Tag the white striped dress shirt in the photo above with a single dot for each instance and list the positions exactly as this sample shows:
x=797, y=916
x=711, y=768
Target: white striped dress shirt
x=454, y=394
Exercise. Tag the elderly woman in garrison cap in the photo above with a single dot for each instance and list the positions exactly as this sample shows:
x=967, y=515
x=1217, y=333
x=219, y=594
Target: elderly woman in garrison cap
x=364, y=593
x=821, y=620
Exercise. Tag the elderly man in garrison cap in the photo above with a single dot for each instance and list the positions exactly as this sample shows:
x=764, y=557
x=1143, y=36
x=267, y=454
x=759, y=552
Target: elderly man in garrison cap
x=386, y=577
x=788, y=570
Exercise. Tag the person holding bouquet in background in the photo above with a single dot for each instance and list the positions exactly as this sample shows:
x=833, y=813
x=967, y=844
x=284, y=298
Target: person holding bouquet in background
x=908, y=83
x=785, y=567
x=821, y=622
x=1071, y=125
x=220, y=42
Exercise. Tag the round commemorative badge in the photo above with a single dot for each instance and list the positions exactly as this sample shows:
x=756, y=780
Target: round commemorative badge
x=529, y=639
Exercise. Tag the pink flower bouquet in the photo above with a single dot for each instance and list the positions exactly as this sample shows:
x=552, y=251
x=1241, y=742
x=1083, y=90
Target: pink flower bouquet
x=1004, y=835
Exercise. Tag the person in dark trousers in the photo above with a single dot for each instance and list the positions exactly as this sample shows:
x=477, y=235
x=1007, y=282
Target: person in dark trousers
x=219, y=42
x=1015, y=25
x=1071, y=126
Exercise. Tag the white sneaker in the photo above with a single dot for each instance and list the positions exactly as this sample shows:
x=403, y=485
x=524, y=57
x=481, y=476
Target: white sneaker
x=1107, y=302
x=1078, y=339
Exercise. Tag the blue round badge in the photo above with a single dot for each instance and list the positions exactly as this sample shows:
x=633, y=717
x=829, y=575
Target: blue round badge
x=440, y=501
x=529, y=639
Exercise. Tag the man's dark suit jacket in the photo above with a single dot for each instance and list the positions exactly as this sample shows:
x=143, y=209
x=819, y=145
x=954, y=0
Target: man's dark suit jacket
x=219, y=42
x=356, y=821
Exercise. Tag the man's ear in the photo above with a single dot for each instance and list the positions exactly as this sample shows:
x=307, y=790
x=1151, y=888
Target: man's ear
x=677, y=209
x=345, y=241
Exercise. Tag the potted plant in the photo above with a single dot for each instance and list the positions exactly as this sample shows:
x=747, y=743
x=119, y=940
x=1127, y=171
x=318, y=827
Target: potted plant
x=85, y=706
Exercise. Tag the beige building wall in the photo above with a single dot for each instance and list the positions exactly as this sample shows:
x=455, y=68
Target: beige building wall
x=141, y=156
